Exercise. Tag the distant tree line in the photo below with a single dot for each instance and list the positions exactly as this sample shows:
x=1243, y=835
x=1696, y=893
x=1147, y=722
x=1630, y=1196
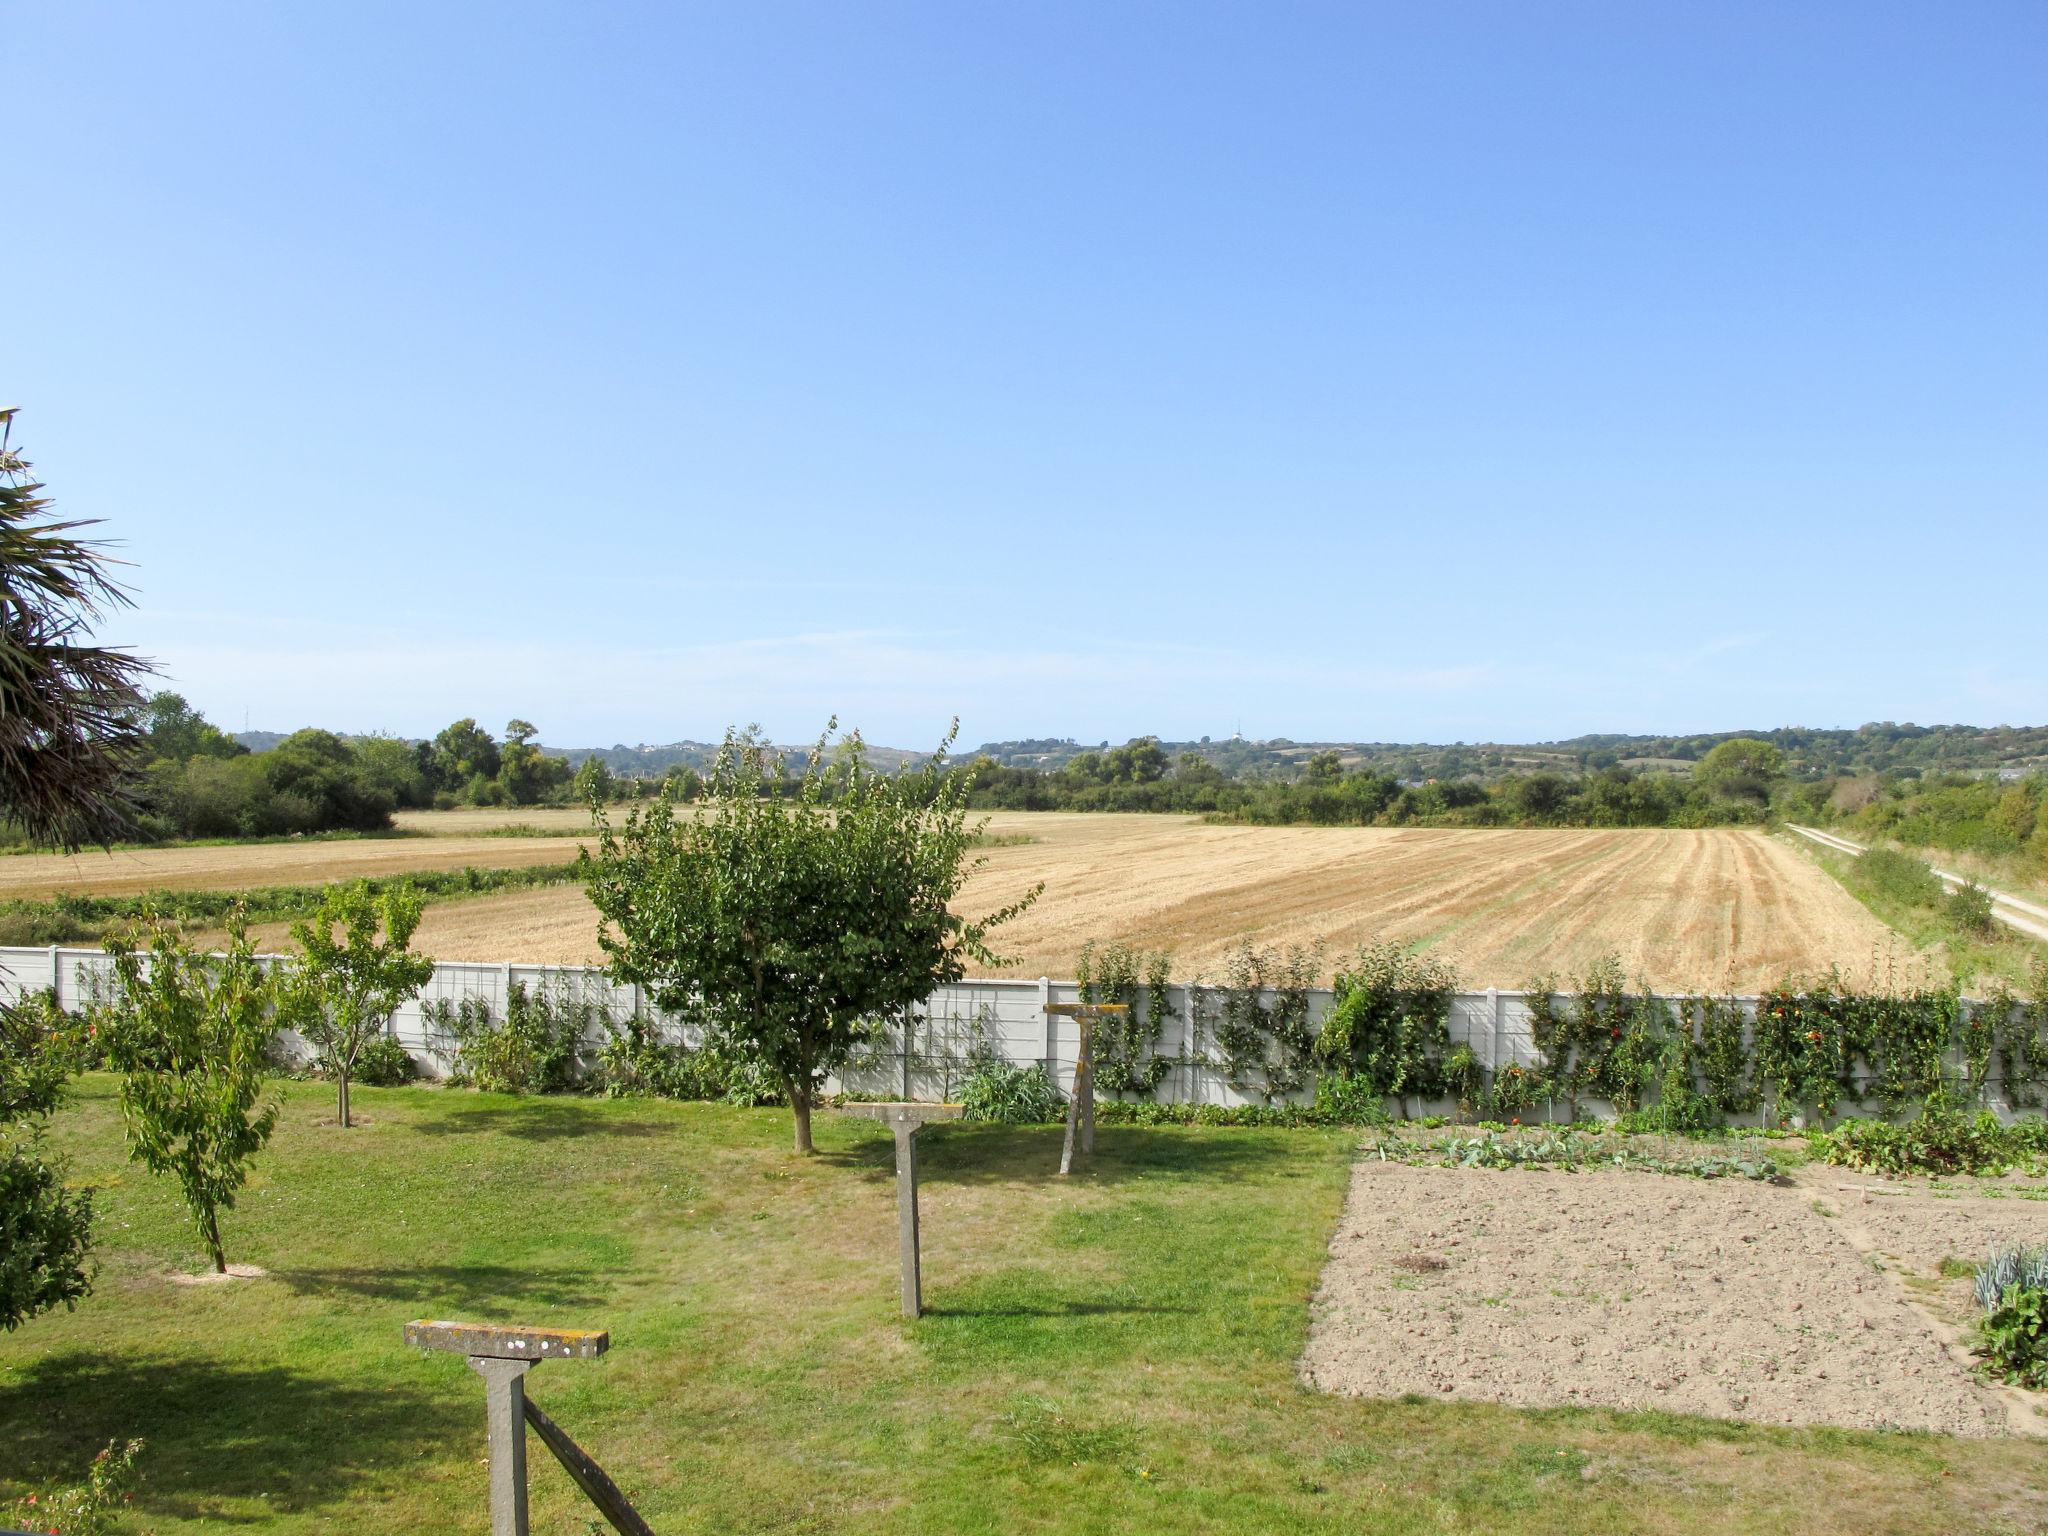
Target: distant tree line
x=1733, y=784
x=199, y=782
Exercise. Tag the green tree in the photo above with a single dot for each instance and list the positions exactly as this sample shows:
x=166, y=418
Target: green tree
x=463, y=752
x=1741, y=768
x=45, y=1229
x=594, y=780
x=179, y=733
x=794, y=918
x=71, y=735
x=350, y=978
x=526, y=772
x=192, y=1032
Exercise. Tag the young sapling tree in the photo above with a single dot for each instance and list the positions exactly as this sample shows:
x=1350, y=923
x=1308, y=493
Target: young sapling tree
x=794, y=915
x=191, y=1033
x=350, y=978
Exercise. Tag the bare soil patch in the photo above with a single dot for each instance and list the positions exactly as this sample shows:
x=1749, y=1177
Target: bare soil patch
x=1724, y=1298
x=215, y=1277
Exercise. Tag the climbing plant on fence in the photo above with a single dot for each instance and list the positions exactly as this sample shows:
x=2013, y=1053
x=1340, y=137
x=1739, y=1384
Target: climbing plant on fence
x=1126, y=1047
x=1600, y=1038
x=1258, y=1018
x=1389, y=1027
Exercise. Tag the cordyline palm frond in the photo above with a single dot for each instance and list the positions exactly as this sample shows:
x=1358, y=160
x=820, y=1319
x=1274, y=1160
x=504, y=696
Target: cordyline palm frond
x=70, y=729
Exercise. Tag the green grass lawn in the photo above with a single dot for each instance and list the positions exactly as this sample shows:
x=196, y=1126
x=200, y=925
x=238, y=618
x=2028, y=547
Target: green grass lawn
x=1111, y=1354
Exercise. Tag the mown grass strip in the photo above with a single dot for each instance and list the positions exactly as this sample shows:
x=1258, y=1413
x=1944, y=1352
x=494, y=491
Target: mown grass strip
x=75, y=919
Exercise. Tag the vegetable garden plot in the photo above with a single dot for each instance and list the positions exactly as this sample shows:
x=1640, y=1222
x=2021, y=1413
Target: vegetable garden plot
x=1724, y=1298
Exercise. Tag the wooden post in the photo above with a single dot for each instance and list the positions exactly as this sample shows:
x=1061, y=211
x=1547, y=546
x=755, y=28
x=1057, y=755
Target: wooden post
x=1081, y=1102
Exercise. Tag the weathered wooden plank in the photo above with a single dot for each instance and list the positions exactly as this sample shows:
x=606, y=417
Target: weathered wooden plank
x=589, y=1476
x=486, y=1341
x=1086, y=1010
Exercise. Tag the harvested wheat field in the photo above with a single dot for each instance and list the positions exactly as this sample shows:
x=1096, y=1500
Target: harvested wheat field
x=1725, y=1298
x=240, y=867
x=1684, y=909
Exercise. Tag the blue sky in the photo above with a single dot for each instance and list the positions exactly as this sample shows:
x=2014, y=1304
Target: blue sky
x=1448, y=371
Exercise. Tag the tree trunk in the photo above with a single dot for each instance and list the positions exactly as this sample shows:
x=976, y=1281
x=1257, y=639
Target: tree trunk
x=341, y=1096
x=220, y=1257
x=800, y=1101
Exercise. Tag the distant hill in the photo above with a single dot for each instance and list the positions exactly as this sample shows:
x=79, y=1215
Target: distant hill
x=1882, y=747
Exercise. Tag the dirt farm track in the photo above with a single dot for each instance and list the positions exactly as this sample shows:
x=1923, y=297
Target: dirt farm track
x=1706, y=909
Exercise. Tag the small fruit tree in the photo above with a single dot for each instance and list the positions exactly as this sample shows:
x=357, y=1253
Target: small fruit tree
x=794, y=915
x=192, y=1033
x=341, y=991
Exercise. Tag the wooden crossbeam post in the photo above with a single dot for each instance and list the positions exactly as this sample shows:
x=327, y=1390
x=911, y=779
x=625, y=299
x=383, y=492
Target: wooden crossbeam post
x=906, y=1120
x=1081, y=1102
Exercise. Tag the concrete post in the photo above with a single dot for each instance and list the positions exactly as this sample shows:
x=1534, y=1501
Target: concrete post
x=505, y=1419
x=906, y=1217
x=503, y=1356
x=906, y=1120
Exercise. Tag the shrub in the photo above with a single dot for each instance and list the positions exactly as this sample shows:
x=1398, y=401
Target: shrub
x=636, y=1059
x=384, y=1063
x=90, y=1508
x=537, y=1046
x=1933, y=1142
x=998, y=1091
x=1969, y=911
x=2012, y=1288
x=1898, y=876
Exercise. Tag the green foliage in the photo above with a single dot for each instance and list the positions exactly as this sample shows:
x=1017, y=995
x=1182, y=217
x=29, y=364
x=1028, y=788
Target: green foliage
x=1969, y=910
x=2008, y=1265
x=1935, y=1141
x=1571, y=1151
x=1744, y=768
x=1010, y=1094
x=45, y=1232
x=636, y=1059
x=70, y=731
x=192, y=1033
x=1389, y=1025
x=1599, y=1039
x=794, y=918
x=1515, y=1091
x=384, y=1063
x=1125, y=1047
x=355, y=967
x=92, y=1507
x=1259, y=1018
x=537, y=1046
x=1899, y=876
x=2013, y=1333
x=1721, y=1054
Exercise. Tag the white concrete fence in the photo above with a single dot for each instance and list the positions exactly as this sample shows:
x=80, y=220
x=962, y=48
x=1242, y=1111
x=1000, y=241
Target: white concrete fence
x=1009, y=1015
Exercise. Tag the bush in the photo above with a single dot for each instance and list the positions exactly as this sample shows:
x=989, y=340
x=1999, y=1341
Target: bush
x=384, y=1063
x=636, y=1060
x=1899, y=876
x=535, y=1048
x=1969, y=911
x=998, y=1091
x=1934, y=1142
x=2012, y=1287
